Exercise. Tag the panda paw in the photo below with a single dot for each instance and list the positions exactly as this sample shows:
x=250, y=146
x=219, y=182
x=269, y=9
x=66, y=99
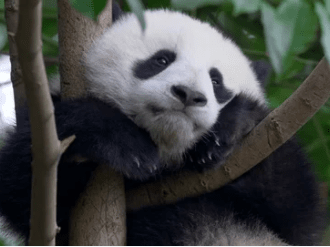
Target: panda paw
x=139, y=165
x=209, y=155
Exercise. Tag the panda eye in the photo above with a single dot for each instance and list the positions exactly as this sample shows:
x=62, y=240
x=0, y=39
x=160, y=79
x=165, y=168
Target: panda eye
x=162, y=61
x=215, y=81
x=216, y=77
x=221, y=93
x=145, y=69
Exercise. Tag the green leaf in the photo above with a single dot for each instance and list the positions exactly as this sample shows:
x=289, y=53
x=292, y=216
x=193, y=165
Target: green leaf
x=2, y=10
x=268, y=19
x=324, y=18
x=86, y=7
x=315, y=136
x=50, y=46
x=137, y=8
x=193, y=4
x=292, y=69
x=289, y=30
x=277, y=94
x=49, y=4
x=247, y=34
x=243, y=6
x=156, y=4
x=327, y=6
x=90, y=8
x=49, y=9
x=49, y=13
x=2, y=16
x=99, y=6
x=49, y=27
x=3, y=35
x=305, y=29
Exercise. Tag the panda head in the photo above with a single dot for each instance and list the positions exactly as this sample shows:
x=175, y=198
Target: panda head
x=172, y=79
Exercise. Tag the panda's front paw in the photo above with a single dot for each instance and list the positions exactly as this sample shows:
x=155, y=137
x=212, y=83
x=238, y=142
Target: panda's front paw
x=209, y=153
x=141, y=166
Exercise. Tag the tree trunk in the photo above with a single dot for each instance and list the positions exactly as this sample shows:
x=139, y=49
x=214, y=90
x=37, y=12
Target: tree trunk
x=99, y=217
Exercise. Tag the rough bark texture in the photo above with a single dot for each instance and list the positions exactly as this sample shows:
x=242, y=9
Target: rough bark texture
x=271, y=133
x=11, y=14
x=98, y=218
x=76, y=34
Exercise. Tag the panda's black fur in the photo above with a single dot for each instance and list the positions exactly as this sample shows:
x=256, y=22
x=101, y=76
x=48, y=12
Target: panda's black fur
x=276, y=202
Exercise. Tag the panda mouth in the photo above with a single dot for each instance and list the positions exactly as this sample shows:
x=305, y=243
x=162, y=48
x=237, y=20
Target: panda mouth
x=158, y=110
x=155, y=110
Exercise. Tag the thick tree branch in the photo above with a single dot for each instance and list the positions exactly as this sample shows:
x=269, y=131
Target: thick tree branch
x=99, y=217
x=271, y=133
x=76, y=34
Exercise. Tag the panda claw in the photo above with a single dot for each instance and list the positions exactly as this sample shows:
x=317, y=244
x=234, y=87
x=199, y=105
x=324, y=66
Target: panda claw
x=210, y=156
x=137, y=162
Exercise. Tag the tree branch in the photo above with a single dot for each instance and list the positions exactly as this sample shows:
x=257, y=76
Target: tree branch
x=46, y=148
x=280, y=125
x=11, y=14
x=99, y=217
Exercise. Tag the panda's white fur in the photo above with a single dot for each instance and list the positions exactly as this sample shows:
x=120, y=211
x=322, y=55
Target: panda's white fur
x=229, y=231
x=178, y=127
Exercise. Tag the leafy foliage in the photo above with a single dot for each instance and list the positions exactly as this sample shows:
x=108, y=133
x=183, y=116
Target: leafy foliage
x=2, y=242
x=289, y=30
x=137, y=8
x=90, y=8
x=193, y=4
x=323, y=13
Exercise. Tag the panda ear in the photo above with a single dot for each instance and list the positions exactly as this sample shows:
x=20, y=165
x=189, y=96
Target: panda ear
x=116, y=11
x=262, y=69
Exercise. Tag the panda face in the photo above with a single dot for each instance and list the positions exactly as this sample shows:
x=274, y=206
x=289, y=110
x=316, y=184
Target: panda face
x=171, y=79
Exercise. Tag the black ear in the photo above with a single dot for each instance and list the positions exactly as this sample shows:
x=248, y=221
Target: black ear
x=116, y=11
x=262, y=69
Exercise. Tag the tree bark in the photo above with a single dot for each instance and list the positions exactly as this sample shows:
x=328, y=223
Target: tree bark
x=11, y=14
x=99, y=217
x=46, y=148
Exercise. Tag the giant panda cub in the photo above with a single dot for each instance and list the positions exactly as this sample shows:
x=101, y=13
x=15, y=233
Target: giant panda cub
x=178, y=95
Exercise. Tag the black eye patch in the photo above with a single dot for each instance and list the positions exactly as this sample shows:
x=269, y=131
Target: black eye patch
x=222, y=94
x=145, y=69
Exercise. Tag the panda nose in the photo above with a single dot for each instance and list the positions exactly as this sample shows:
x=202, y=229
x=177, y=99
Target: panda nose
x=188, y=97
